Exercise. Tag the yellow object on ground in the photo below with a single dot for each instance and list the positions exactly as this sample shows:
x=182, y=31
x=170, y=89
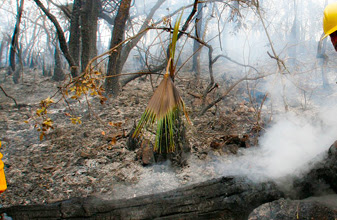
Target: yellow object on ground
x=330, y=19
x=3, y=184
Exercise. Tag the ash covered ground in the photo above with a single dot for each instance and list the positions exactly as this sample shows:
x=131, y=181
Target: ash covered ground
x=81, y=160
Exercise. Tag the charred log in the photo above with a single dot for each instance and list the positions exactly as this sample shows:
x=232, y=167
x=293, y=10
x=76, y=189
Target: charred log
x=323, y=175
x=223, y=198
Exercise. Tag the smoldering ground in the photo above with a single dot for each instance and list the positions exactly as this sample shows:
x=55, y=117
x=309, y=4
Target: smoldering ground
x=287, y=149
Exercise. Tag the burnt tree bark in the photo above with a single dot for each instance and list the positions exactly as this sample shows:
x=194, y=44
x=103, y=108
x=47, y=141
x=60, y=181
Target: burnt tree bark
x=75, y=35
x=15, y=40
x=114, y=67
x=223, y=198
x=58, y=71
x=323, y=175
x=89, y=18
x=18, y=72
x=196, y=45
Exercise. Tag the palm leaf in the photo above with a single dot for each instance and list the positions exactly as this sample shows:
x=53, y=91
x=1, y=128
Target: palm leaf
x=165, y=105
x=173, y=44
x=175, y=37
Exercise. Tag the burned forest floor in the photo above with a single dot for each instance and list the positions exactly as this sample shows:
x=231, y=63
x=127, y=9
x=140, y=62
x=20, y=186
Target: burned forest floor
x=92, y=158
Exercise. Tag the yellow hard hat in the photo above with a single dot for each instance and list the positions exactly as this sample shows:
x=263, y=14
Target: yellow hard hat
x=3, y=184
x=330, y=19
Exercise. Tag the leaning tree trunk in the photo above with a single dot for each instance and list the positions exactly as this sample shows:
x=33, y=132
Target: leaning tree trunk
x=114, y=67
x=89, y=20
x=15, y=40
x=61, y=37
x=131, y=44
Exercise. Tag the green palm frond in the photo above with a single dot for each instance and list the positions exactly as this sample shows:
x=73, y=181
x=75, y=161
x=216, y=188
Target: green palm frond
x=165, y=106
x=173, y=45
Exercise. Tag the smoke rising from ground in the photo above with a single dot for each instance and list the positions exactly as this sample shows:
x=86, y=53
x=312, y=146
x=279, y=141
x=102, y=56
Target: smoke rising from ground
x=286, y=149
x=288, y=145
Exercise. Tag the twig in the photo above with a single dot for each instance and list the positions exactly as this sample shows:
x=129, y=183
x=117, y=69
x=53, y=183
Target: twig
x=195, y=95
x=233, y=61
x=228, y=91
x=16, y=104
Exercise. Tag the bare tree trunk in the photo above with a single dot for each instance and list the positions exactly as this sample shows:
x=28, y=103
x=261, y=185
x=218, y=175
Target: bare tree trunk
x=114, y=68
x=323, y=58
x=164, y=64
x=89, y=19
x=15, y=40
x=62, y=40
x=58, y=71
x=1, y=51
x=75, y=36
x=7, y=52
x=196, y=45
x=293, y=37
x=128, y=47
x=17, y=72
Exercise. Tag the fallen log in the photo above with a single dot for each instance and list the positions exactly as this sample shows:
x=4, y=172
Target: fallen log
x=323, y=176
x=321, y=179
x=222, y=198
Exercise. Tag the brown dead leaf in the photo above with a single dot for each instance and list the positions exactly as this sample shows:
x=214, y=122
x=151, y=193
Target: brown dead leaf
x=113, y=141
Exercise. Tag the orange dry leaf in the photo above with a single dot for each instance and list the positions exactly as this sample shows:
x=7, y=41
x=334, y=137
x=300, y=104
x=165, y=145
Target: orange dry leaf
x=117, y=124
x=41, y=136
x=113, y=141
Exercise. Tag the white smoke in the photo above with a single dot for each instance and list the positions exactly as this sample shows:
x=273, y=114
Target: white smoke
x=291, y=142
x=285, y=150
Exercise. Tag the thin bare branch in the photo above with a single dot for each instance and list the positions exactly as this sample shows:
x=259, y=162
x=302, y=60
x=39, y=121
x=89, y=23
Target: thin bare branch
x=203, y=111
x=16, y=104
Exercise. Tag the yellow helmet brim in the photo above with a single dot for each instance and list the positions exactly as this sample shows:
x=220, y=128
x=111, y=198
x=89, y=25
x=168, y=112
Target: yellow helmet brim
x=324, y=36
x=329, y=32
x=330, y=19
